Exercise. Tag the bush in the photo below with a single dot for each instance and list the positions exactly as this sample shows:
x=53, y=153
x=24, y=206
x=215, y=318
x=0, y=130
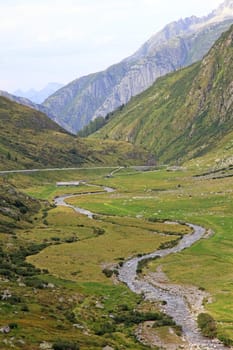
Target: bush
x=143, y=263
x=169, y=244
x=225, y=340
x=71, y=239
x=207, y=325
x=25, y=308
x=104, y=328
x=14, y=299
x=99, y=231
x=70, y=316
x=55, y=239
x=107, y=272
x=13, y=325
x=35, y=283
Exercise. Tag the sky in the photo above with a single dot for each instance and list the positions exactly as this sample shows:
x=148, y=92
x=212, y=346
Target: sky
x=46, y=41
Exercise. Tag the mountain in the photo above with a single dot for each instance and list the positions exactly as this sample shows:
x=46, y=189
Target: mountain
x=29, y=139
x=185, y=114
x=38, y=96
x=26, y=102
x=177, y=45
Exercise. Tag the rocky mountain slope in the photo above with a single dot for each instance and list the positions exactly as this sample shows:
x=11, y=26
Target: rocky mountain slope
x=177, y=45
x=185, y=114
x=29, y=139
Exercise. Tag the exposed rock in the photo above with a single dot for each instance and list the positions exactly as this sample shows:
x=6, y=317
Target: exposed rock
x=6, y=294
x=177, y=45
x=46, y=346
x=5, y=329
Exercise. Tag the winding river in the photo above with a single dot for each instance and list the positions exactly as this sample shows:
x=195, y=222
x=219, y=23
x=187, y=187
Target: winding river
x=176, y=305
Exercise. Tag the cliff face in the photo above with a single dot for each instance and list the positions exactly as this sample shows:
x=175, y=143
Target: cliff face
x=177, y=45
x=184, y=114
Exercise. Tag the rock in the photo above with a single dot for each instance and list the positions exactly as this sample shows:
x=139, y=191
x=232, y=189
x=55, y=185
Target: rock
x=78, y=326
x=45, y=345
x=177, y=45
x=21, y=284
x=6, y=294
x=5, y=329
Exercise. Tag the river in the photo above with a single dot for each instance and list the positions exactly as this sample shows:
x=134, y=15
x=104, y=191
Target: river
x=176, y=305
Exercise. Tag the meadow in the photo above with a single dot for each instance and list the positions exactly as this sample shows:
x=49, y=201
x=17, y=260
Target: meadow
x=128, y=222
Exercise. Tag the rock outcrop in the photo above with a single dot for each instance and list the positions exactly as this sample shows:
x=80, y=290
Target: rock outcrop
x=177, y=45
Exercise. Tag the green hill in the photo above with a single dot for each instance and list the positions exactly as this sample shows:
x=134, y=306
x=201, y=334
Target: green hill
x=30, y=139
x=185, y=114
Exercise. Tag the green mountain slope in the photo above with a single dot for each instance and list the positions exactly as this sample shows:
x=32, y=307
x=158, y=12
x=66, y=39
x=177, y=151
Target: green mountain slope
x=184, y=114
x=30, y=139
x=177, y=45
x=15, y=208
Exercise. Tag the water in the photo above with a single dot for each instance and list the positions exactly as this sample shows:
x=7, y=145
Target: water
x=176, y=305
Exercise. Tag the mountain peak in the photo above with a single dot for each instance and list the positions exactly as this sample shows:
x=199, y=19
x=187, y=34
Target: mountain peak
x=224, y=11
x=227, y=3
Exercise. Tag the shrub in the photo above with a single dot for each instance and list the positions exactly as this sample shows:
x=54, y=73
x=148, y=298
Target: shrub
x=13, y=325
x=65, y=345
x=14, y=299
x=169, y=244
x=25, y=308
x=107, y=272
x=35, y=283
x=207, y=325
x=71, y=239
x=225, y=340
x=70, y=316
x=99, y=231
x=104, y=328
x=55, y=239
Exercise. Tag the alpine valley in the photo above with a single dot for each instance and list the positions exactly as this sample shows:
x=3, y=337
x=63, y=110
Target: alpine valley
x=123, y=239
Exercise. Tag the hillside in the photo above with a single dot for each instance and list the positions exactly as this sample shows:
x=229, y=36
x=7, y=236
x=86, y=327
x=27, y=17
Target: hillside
x=27, y=102
x=177, y=45
x=30, y=139
x=184, y=114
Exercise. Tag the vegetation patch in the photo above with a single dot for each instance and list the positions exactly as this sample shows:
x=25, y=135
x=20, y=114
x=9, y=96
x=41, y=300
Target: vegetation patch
x=207, y=325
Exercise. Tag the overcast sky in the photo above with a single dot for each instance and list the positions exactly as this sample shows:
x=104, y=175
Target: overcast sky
x=45, y=41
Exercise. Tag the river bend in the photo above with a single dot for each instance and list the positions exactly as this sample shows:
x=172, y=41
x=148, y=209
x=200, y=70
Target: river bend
x=176, y=306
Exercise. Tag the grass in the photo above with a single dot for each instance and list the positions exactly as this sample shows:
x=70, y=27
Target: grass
x=79, y=260
x=179, y=117
x=131, y=220
x=29, y=139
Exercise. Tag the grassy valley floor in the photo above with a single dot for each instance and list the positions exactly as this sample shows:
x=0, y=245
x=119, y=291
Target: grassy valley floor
x=75, y=297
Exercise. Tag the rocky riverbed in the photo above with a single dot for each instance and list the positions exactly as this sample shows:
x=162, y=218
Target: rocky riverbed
x=182, y=304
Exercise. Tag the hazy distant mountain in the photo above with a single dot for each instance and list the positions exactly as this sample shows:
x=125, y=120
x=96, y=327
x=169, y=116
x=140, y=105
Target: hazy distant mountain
x=38, y=96
x=177, y=45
